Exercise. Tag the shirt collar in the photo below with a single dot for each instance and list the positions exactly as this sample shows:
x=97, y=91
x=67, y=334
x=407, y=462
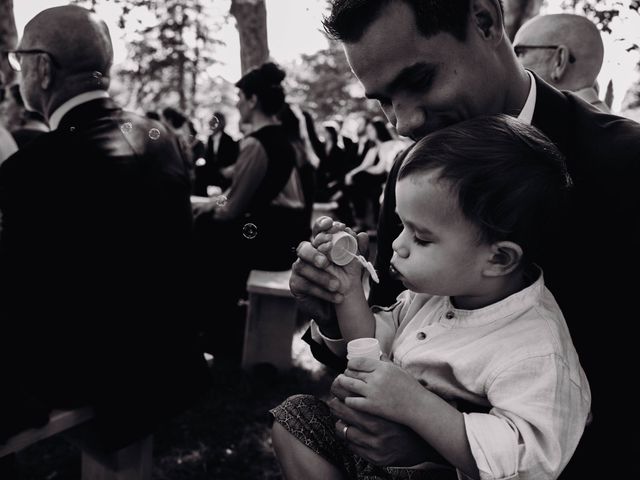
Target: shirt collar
x=517, y=302
x=526, y=114
x=588, y=94
x=62, y=110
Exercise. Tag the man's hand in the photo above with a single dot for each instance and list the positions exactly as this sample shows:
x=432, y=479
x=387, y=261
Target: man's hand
x=375, y=439
x=199, y=209
x=349, y=276
x=311, y=283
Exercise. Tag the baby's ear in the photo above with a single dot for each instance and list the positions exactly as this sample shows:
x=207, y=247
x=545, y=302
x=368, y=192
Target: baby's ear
x=505, y=258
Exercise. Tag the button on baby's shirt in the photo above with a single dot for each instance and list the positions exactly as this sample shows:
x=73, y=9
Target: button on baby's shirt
x=449, y=315
x=421, y=335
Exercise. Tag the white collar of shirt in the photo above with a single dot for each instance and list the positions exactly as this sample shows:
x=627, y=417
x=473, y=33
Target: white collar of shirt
x=8, y=145
x=526, y=114
x=62, y=110
x=588, y=94
x=525, y=298
x=216, y=140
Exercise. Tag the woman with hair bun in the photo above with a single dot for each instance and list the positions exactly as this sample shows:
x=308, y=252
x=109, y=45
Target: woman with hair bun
x=259, y=221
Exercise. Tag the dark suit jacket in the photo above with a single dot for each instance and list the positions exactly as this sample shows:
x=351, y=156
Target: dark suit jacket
x=209, y=173
x=94, y=255
x=589, y=265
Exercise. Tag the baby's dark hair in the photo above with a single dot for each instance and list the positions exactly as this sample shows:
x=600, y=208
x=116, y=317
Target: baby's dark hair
x=511, y=181
x=265, y=82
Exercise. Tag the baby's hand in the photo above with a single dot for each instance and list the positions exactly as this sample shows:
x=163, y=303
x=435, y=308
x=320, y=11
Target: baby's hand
x=380, y=387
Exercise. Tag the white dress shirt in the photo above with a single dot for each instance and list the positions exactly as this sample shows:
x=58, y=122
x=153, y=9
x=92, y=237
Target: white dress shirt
x=515, y=356
x=62, y=110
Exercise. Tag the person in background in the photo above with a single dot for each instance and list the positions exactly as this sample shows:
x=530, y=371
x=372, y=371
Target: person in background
x=295, y=123
x=332, y=167
x=434, y=64
x=364, y=183
x=180, y=126
x=311, y=135
x=96, y=233
x=153, y=115
x=467, y=248
x=8, y=145
x=196, y=145
x=221, y=154
x=259, y=220
x=564, y=50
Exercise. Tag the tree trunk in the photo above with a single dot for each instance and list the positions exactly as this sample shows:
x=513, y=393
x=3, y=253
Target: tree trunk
x=516, y=12
x=8, y=37
x=251, y=21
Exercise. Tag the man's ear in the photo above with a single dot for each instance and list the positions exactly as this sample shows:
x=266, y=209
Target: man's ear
x=560, y=61
x=505, y=258
x=45, y=72
x=486, y=18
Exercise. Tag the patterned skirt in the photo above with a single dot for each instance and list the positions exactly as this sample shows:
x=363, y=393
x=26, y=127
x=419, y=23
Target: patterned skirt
x=309, y=420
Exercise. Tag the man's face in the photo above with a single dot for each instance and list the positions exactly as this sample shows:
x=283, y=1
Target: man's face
x=243, y=107
x=423, y=84
x=29, y=81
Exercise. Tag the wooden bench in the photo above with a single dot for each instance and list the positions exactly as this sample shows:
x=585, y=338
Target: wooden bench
x=270, y=321
x=133, y=462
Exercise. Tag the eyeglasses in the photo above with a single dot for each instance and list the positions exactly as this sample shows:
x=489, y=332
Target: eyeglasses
x=14, y=58
x=520, y=49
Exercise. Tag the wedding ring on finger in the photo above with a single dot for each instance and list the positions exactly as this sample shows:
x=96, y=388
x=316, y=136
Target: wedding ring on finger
x=344, y=432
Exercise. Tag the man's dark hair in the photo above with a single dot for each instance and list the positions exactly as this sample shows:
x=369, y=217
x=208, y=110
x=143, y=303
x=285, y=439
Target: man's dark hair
x=510, y=179
x=349, y=19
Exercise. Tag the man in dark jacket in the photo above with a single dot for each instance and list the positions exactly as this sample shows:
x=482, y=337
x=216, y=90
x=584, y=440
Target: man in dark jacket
x=94, y=247
x=220, y=156
x=432, y=64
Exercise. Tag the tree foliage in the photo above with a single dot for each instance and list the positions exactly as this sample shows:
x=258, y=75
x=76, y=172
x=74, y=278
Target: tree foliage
x=170, y=46
x=323, y=83
x=8, y=36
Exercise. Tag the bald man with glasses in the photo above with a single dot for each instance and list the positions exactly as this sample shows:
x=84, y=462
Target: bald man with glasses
x=93, y=250
x=564, y=50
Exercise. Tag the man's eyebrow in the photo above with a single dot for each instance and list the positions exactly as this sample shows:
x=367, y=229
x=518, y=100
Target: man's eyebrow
x=406, y=75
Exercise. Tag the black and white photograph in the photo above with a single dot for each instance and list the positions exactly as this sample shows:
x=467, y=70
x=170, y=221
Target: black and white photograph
x=319, y=239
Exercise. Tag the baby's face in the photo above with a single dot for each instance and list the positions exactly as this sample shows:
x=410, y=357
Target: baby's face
x=438, y=251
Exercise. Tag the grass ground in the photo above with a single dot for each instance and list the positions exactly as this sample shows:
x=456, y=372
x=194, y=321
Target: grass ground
x=226, y=436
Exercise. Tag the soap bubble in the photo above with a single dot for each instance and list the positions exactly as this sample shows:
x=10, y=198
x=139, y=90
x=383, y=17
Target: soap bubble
x=154, y=134
x=250, y=231
x=97, y=76
x=214, y=123
x=221, y=201
x=126, y=127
